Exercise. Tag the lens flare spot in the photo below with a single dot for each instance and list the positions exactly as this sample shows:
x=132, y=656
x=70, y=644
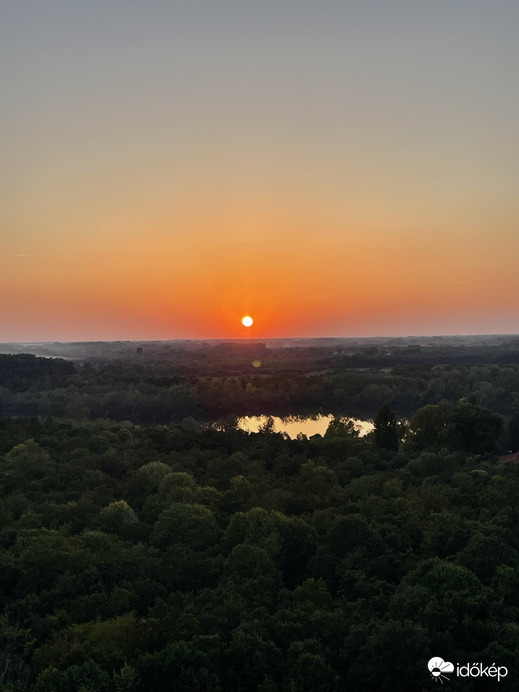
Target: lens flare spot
x=256, y=363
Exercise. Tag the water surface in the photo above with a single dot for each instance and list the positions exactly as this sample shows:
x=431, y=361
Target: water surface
x=295, y=425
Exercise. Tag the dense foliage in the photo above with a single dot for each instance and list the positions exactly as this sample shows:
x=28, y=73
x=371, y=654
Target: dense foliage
x=149, y=392
x=179, y=558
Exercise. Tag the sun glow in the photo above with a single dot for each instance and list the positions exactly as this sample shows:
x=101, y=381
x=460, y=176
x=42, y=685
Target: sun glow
x=247, y=321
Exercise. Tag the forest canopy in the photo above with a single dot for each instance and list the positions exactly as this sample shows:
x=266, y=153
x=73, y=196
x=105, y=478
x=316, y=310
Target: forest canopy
x=145, y=556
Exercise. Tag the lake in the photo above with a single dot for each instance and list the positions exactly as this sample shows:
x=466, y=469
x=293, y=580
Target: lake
x=295, y=425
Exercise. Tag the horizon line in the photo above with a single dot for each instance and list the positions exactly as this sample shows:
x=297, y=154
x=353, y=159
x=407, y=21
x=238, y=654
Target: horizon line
x=265, y=338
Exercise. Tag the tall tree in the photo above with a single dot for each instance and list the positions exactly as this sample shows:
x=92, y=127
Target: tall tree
x=476, y=429
x=386, y=429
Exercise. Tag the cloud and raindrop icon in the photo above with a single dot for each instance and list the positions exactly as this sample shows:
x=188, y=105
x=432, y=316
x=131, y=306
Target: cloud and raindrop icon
x=438, y=667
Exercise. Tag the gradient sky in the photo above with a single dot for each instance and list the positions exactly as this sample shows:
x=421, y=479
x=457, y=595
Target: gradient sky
x=332, y=168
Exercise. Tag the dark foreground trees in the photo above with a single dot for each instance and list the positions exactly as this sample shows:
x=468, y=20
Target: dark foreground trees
x=177, y=558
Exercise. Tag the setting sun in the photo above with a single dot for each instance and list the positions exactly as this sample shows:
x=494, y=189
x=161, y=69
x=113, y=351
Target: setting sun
x=247, y=321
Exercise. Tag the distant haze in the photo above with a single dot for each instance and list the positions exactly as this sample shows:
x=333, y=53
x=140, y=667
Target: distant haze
x=333, y=168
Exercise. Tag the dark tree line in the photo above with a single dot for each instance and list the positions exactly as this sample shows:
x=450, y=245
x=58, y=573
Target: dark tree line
x=149, y=392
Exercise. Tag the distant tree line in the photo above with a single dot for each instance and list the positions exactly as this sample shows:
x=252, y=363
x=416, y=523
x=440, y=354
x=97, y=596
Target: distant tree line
x=149, y=393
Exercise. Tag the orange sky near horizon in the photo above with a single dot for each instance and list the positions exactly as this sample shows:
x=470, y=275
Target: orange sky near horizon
x=162, y=189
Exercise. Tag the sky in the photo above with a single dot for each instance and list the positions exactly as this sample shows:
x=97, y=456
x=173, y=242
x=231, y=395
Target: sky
x=331, y=168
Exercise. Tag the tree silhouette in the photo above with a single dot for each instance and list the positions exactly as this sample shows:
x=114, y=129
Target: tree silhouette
x=386, y=429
